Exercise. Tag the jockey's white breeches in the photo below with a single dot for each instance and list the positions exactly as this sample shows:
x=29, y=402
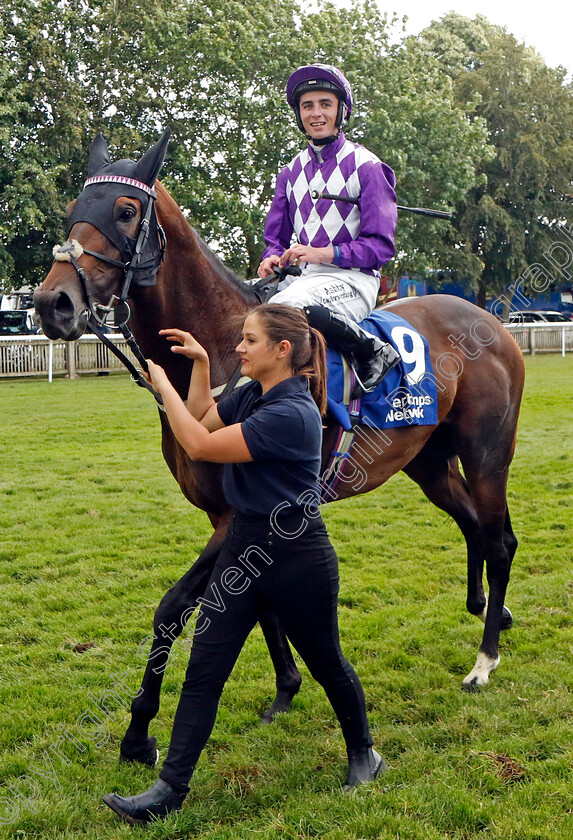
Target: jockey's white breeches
x=344, y=291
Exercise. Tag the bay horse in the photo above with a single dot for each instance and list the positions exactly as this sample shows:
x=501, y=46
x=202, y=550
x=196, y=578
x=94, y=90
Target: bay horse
x=479, y=371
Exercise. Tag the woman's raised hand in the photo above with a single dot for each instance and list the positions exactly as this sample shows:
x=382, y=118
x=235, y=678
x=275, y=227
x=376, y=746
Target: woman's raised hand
x=187, y=345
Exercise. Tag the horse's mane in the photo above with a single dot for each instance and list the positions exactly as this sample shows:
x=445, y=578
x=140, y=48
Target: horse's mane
x=217, y=264
x=226, y=273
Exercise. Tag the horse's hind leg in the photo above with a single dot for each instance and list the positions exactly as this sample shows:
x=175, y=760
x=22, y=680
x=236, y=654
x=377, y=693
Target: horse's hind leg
x=168, y=623
x=510, y=542
x=435, y=469
x=487, y=478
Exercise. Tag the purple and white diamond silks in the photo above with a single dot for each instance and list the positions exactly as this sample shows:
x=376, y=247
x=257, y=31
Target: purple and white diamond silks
x=364, y=234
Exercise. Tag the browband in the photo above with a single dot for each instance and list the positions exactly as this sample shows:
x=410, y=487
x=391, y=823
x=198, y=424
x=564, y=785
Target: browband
x=120, y=179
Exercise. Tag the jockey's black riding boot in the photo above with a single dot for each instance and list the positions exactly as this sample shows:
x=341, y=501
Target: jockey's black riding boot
x=370, y=357
x=364, y=765
x=156, y=803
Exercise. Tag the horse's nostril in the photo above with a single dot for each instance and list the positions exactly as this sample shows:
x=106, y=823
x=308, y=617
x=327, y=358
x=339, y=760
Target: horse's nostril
x=59, y=316
x=64, y=306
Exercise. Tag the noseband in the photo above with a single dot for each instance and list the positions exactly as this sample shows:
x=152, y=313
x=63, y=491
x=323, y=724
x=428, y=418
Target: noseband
x=71, y=251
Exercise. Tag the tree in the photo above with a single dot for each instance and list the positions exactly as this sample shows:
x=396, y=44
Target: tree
x=69, y=70
x=510, y=218
x=231, y=126
x=404, y=111
x=30, y=160
x=215, y=71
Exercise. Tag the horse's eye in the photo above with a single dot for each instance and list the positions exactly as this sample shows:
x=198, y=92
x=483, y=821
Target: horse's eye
x=126, y=214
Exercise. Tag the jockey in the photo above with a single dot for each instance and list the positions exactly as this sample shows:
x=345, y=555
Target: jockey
x=339, y=246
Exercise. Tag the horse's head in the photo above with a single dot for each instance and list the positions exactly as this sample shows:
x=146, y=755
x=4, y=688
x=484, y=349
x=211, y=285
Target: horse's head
x=114, y=240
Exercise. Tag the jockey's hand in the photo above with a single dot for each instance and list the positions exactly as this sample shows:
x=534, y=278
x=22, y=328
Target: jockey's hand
x=306, y=253
x=266, y=267
x=186, y=346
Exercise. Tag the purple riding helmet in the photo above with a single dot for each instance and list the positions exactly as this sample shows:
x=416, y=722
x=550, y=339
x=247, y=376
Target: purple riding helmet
x=319, y=77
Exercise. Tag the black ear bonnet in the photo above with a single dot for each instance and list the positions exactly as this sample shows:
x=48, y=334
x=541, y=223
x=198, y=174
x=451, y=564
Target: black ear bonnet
x=109, y=181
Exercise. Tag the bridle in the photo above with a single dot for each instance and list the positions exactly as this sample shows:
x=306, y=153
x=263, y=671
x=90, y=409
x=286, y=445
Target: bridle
x=72, y=250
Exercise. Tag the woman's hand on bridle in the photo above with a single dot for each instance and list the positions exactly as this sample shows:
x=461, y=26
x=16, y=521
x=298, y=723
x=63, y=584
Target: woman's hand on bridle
x=156, y=376
x=186, y=346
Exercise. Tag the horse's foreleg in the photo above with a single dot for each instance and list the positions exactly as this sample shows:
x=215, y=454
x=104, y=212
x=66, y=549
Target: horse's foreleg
x=170, y=618
x=288, y=677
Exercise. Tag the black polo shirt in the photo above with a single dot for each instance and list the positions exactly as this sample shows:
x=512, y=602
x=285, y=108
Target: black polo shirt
x=283, y=432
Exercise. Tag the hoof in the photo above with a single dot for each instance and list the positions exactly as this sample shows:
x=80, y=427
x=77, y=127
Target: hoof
x=506, y=619
x=145, y=753
x=280, y=704
x=363, y=766
x=482, y=615
x=471, y=686
x=479, y=675
x=269, y=714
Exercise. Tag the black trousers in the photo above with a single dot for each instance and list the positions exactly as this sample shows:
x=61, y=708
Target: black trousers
x=295, y=572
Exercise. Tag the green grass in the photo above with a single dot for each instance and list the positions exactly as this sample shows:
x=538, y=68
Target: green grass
x=94, y=530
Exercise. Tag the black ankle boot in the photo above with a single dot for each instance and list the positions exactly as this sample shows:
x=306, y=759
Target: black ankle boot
x=372, y=372
x=370, y=357
x=363, y=766
x=155, y=803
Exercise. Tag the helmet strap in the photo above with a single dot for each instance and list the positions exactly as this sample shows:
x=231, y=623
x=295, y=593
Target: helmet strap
x=324, y=141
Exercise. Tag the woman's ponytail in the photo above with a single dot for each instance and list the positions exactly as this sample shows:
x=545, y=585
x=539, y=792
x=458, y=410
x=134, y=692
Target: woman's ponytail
x=308, y=356
x=317, y=374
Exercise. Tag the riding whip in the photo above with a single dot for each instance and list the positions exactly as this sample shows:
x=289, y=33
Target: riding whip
x=420, y=211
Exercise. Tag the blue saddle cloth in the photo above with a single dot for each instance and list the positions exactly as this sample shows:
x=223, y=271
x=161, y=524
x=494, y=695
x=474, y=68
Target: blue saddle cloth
x=406, y=396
